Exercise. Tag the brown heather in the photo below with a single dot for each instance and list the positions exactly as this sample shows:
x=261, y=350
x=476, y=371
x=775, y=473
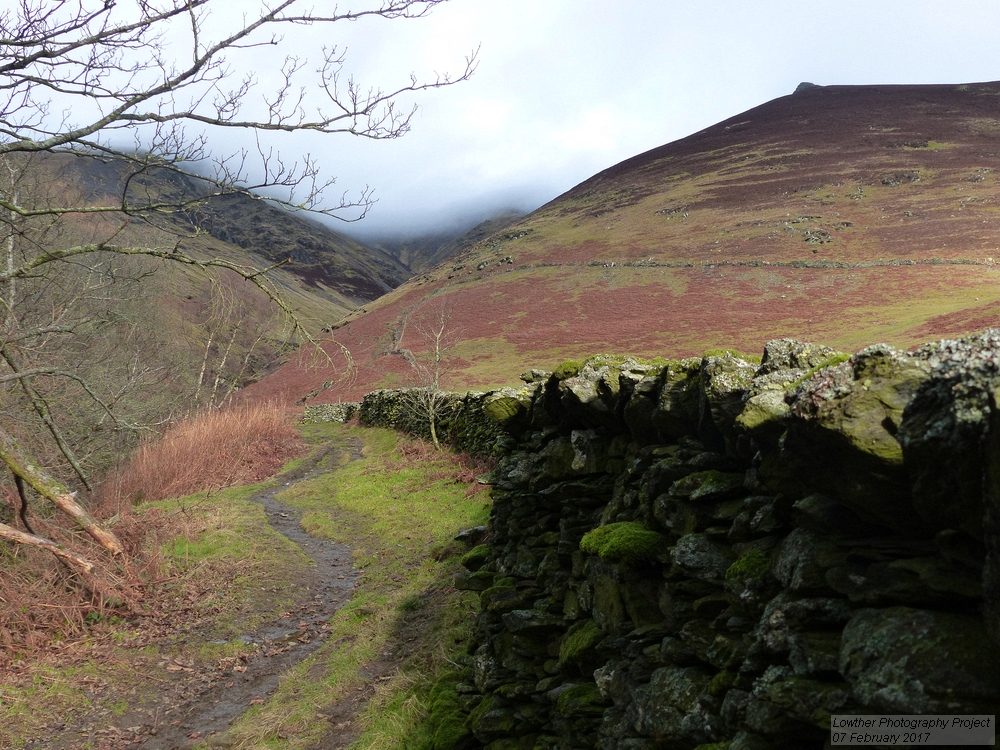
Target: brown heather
x=44, y=606
x=216, y=449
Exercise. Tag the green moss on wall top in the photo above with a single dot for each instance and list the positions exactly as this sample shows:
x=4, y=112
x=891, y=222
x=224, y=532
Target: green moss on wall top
x=568, y=369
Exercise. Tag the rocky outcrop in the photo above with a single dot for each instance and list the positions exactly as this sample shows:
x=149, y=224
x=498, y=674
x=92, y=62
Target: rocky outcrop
x=722, y=553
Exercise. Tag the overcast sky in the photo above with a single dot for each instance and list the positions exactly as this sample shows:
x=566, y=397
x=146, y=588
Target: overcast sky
x=566, y=88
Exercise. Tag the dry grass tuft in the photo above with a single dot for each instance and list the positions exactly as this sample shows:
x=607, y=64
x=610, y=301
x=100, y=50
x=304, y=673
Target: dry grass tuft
x=213, y=450
x=461, y=467
x=42, y=603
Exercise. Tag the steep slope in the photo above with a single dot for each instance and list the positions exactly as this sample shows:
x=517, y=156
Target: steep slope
x=152, y=337
x=423, y=252
x=325, y=262
x=843, y=215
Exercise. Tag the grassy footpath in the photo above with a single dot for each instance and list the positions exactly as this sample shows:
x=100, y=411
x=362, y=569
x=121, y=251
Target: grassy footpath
x=398, y=508
x=220, y=570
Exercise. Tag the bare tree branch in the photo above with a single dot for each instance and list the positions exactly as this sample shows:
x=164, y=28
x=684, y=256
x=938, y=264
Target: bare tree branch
x=54, y=491
x=148, y=88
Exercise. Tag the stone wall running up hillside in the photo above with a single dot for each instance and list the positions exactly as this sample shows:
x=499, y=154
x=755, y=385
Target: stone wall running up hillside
x=721, y=552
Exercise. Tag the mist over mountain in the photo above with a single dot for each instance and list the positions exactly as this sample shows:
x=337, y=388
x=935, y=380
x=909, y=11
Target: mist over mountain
x=420, y=252
x=842, y=215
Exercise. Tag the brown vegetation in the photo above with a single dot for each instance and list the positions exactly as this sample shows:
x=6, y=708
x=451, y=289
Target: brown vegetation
x=43, y=603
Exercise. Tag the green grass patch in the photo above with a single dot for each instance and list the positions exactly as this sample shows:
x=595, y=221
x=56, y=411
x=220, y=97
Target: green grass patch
x=398, y=511
x=242, y=571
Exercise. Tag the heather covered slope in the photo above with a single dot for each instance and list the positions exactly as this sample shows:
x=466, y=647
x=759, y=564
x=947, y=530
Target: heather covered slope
x=843, y=215
x=324, y=263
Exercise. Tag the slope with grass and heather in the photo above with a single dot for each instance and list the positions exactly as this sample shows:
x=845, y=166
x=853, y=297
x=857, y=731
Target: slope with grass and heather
x=840, y=214
x=323, y=262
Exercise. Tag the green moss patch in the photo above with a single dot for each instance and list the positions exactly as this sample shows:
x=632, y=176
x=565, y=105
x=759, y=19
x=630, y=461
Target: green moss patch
x=585, y=700
x=753, y=566
x=580, y=638
x=626, y=542
x=475, y=558
x=447, y=718
x=568, y=369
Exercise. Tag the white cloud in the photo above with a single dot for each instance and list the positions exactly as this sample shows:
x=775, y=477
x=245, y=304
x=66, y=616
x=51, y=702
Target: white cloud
x=566, y=88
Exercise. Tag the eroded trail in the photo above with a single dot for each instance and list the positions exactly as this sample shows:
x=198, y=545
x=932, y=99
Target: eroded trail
x=282, y=643
x=187, y=706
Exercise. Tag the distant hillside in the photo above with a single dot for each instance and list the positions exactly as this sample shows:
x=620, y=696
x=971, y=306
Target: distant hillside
x=843, y=215
x=329, y=263
x=155, y=338
x=423, y=252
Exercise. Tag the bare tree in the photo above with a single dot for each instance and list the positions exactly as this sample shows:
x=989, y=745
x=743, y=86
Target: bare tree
x=147, y=86
x=427, y=401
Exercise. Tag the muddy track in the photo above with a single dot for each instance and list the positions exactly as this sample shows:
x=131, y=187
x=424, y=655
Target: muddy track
x=282, y=643
x=191, y=706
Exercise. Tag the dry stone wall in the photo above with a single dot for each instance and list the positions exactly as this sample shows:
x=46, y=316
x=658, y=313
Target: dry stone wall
x=723, y=552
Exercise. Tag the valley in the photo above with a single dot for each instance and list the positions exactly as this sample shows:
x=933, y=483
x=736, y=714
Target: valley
x=842, y=216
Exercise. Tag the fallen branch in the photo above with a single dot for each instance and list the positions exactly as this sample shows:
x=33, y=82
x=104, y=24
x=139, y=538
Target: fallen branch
x=51, y=488
x=74, y=560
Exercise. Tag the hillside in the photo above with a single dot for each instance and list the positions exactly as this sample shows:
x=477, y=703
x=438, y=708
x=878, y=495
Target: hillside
x=152, y=337
x=425, y=251
x=324, y=262
x=844, y=215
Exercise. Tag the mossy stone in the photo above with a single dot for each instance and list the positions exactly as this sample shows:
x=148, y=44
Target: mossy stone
x=753, y=566
x=722, y=682
x=624, y=542
x=501, y=590
x=608, y=608
x=903, y=660
x=709, y=485
x=568, y=369
x=476, y=557
x=763, y=415
x=676, y=412
x=448, y=720
x=504, y=408
x=579, y=639
x=579, y=700
x=481, y=580
x=841, y=441
x=490, y=718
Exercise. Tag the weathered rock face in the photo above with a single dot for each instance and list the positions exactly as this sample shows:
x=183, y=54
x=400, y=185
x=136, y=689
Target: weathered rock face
x=722, y=553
